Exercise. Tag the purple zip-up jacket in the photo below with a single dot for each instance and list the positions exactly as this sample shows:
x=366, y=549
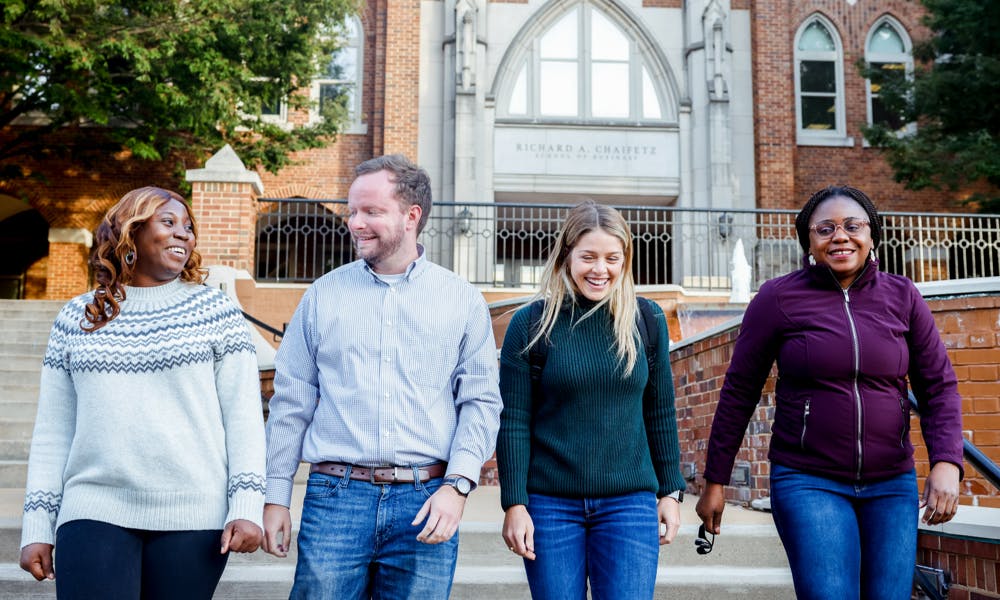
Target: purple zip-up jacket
x=841, y=408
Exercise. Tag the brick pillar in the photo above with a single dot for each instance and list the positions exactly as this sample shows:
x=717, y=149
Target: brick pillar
x=224, y=200
x=401, y=78
x=67, y=272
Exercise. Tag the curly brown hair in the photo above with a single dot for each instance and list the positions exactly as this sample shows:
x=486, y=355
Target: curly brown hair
x=115, y=240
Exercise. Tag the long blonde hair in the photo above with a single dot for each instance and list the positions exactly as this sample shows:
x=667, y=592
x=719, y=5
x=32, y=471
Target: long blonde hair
x=557, y=286
x=115, y=240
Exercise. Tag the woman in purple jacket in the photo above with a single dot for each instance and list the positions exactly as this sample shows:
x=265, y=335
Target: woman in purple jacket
x=846, y=337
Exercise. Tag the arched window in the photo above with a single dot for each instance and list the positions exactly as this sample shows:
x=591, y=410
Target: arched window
x=889, y=50
x=585, y=65
x=341, y=77
x=819, y=84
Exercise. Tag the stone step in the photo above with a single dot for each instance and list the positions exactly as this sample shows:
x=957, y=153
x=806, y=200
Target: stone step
x=16, y=429
x=20, y=376
x=18, y=410
x=35, y=348
x=34, y=336
x=13, y=473
x=20, y=362
x=243, y=582
x=19, y=392
x=14, y=449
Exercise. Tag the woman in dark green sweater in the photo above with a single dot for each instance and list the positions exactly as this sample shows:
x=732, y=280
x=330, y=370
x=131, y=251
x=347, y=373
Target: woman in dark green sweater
x=588, y=463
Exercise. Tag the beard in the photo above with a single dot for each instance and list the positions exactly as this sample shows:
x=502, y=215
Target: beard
x=383, y=248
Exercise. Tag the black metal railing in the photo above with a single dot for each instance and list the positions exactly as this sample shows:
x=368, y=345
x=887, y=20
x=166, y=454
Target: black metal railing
x=506, y=244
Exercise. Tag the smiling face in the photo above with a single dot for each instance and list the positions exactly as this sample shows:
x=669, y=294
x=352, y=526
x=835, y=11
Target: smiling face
x=163, y=245
x=844, y=253
x=595, y=263
x=384, y=230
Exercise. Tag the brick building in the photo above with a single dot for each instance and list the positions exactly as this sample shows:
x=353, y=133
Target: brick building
x=703, y=104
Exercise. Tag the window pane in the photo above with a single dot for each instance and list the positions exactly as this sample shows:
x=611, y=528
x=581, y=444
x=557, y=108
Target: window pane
x=817, y=39
x=818, y=76
x=606, y=41
x=886, y=40
x=558, y=94
x=519, y=95
x=882, y=116
x=819, y=112
x=561, y=40
x=650, y=103
x=340, y=94
x=609, y=90
x=342, y=65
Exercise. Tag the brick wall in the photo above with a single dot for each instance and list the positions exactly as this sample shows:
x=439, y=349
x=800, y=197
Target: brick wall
x=787, y=174
x=973, y=566
x=67, y=270
x=968, y=328
x=227, y=220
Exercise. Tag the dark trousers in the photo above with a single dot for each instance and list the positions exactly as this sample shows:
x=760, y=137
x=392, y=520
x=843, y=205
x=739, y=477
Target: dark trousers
x=99, y=560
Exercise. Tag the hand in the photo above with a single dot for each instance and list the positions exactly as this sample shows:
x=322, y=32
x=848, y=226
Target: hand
x=669, y=512
x=519, y=531
x=940, y=494
x=277, y=520
x=710, y=506
x=443, y=511
x=37, y=560
x=241, y=535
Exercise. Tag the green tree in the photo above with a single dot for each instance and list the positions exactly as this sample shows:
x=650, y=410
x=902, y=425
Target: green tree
x=157, y=77
x=953, y=99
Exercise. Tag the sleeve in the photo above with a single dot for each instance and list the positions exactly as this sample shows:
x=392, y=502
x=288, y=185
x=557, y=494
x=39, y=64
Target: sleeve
x=237, y=383
x=660, y=414
x=296, y=390
x=477, y=396
x=753, y=355
x=55, y=425
x=935, y=386
x=514, y=441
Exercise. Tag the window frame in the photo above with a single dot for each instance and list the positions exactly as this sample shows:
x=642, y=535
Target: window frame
x=907, y=61
x=355, y=123
x=821, y=137
x=638, y=63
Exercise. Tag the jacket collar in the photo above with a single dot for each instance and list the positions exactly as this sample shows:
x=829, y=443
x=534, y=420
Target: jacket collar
x=823, y=275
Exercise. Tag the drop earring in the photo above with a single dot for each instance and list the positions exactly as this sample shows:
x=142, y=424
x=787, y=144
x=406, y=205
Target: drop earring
x=130, y=258
x=812, y=260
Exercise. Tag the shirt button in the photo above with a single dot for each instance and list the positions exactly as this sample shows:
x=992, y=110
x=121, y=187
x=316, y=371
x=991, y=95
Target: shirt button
x=387, y=394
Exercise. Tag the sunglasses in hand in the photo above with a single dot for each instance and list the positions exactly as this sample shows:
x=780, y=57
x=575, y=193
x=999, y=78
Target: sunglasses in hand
x=703, y=543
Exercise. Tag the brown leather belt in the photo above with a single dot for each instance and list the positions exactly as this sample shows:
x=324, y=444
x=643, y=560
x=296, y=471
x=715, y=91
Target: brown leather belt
x=380, y=474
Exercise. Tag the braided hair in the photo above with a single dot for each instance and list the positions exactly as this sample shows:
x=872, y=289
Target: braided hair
x=834, y=191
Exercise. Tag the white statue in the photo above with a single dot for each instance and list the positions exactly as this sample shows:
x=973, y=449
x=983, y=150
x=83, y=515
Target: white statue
x=740, y=293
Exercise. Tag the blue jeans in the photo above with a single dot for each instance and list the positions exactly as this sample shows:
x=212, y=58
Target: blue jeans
x=613, y=542
x=356, y=542
x=846, y=540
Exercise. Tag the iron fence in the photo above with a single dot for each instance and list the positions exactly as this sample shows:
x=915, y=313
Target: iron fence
x=505, y=244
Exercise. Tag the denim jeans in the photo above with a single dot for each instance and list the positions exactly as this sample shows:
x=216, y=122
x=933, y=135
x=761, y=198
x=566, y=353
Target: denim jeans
x=613, y=542
x=356, y=542
x=846, y=540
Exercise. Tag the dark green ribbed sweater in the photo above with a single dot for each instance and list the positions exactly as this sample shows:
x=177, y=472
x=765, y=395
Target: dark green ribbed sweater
x=591, y=434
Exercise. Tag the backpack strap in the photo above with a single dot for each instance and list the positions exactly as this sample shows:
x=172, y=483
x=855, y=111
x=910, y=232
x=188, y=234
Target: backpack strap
x=649, y=332
x=539, y=352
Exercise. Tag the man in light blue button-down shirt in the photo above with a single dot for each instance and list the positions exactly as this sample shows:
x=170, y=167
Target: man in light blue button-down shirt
x=389, y=361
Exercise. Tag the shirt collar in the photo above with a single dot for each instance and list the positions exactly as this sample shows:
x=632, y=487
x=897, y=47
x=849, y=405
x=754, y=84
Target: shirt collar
x=416, y=268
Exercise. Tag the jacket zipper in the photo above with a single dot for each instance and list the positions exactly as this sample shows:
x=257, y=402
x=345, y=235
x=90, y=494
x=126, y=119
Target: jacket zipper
x=902, y=434
x=857, y=368
x=805, y=423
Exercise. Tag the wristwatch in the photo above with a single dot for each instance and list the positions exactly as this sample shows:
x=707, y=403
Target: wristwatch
x=677, y=495
x=462, y=485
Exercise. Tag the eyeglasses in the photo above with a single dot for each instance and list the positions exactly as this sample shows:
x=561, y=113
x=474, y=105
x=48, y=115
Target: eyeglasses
x=826, y=229
x=703, y=544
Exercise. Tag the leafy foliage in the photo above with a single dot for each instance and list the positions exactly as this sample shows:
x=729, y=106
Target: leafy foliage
x=159, y=76
x=953, y=99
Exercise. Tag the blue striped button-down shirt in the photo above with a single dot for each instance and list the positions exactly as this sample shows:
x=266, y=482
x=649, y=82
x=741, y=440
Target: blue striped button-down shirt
x=404, y=374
